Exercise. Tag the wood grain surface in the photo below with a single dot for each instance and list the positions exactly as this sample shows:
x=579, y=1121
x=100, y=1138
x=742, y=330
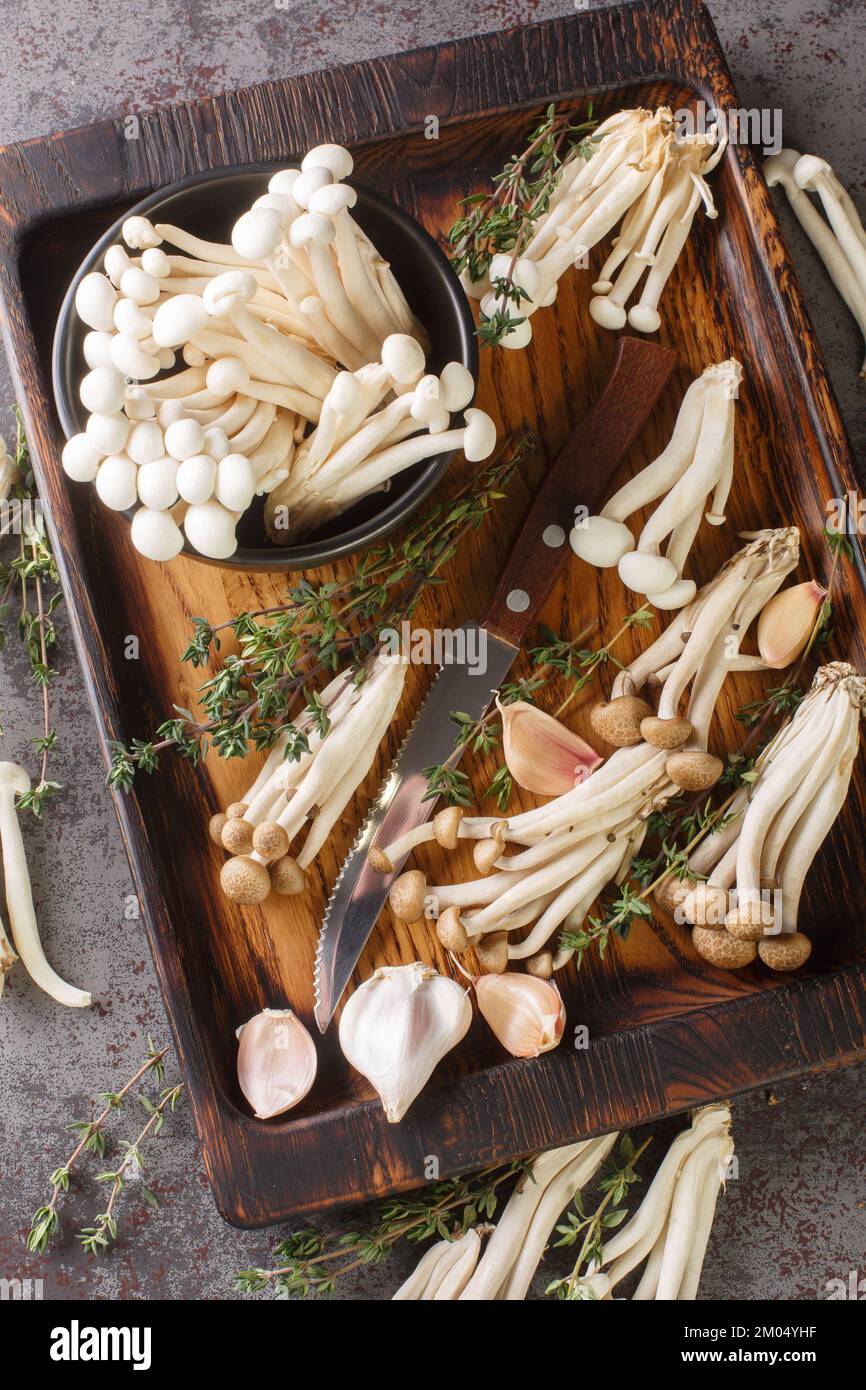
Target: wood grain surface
x=666, y=1030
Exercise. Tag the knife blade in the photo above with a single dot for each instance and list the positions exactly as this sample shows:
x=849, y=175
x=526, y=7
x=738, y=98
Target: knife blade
x=578, y=477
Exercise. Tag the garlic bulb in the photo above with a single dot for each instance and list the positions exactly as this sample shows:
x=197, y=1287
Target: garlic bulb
x=542, y=755
x=276, y=1062
x=786, y=623
x=398, y=1025
x=526, y=1014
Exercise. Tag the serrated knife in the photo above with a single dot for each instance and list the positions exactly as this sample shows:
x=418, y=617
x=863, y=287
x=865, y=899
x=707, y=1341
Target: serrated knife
x=578, y=477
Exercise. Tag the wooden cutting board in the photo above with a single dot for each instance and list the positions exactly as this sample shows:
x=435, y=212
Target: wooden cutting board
x=666, y=1030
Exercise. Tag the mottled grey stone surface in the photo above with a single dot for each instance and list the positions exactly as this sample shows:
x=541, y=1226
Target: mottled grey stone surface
x=796, y=1216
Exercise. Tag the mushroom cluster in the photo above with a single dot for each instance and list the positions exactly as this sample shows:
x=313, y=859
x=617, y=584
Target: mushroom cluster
x=641, y=173
x=840, y=240
x=299, y=311
x=698, y=462
x=313, y=789
x=743, y=888
x=574, y=845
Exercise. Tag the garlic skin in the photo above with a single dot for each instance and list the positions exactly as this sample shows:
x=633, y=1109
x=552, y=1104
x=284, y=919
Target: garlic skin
x=786, y=623
x=527, y=1014
x=541, y=754
x=398, y=1025
x=277, y=1062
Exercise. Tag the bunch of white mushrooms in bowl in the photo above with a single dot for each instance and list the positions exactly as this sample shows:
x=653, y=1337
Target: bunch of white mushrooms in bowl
x=286, y=365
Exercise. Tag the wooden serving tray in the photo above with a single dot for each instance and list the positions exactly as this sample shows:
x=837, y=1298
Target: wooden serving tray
x=667, y=1031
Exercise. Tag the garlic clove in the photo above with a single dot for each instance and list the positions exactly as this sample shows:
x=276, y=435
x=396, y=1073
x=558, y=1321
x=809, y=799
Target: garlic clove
x=786, y=623
x=542, y=755
x=398, y=1025
x=527, y=1014
x=276, y=1062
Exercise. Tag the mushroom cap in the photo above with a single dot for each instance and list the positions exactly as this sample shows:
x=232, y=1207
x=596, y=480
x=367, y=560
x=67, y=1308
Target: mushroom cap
x=287, y=876
x=108, y=432
x=722, y=949
x=618, y=721
x=226, y=376
x=426, y=404
x=14, y=776
x=402, y=358
x=601, y=541
x=346, y=393
x=257, y=234
x=540, y=965
x=646, y=573
x=308, y=182
x=492, y=952
x=157, y=484
x=446, y=826
x=96, y=348
x=129, y=318
x=451, y=932
x=245, y=881
x=210, y=529
x=270, y=840
x=311, y=230
x=139, y=233
x=95, y=299
x=156, y=534
x=235, y=482
x=808, y=168
x=115, y=262
x=788, y=951
x=145, y=442
x=750, y=919
x=237, y=835
x=335, y=158
x=520, y=336
x=196, y=478
x=479, y=435
x=665, y=733
x=486, y=852
x=216, y=443
x=155, y=262
x=80, y=458
x=236, y=810
x=644, y=318
x=137, y=404
x=103, y=390
x=606, y=312
x=283, y=181
x=225, y=292
x=706, y=905
x=779, y=168
x=333, y=199
x=178, y=319
x=693, y=770
x=215, y=827
x=676, y=595
x=379, y=862
x=407, y=895
x=117, y=482
x=129, y=357
x=458, y=386
x=183, y=438
x=138, y=286
x=672, y=892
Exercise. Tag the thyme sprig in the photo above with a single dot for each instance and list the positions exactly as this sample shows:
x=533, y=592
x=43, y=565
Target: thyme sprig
x=283, y=649
x=46, y=1221
x=504, y=220
x=311, y=1264
x=31, y=574
x=555, y=658
x=589, y=1228
x=103, y=1233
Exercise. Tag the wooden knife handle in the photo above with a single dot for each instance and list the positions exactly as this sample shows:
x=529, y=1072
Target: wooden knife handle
x=580, y=475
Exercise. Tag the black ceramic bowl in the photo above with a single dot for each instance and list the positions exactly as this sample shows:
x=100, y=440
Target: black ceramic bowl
x=209, y=205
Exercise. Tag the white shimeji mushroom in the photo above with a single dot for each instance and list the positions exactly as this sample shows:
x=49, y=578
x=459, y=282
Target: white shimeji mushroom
x=575, y=844
x=697, y=465
x=841, y=240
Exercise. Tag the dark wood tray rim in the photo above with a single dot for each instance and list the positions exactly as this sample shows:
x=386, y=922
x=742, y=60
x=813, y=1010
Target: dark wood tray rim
x=803, y=1025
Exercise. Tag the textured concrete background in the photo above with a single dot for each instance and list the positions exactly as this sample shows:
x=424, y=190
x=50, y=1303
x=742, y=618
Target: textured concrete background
x=797, y=1215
